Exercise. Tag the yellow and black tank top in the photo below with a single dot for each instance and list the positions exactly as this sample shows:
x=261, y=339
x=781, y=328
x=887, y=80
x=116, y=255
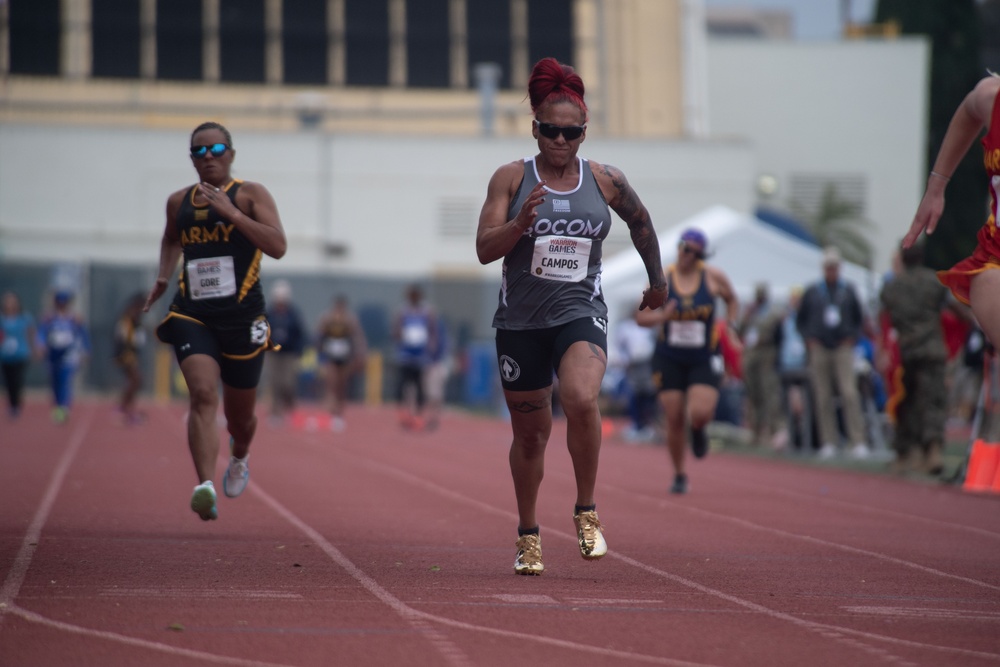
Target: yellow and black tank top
x=220, y=276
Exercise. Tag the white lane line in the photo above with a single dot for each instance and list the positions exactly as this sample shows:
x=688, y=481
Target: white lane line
x=422, y=620
x=15, y=578
x=750, y=525
x=444, y=645
x=856, y=506
x=829, y=631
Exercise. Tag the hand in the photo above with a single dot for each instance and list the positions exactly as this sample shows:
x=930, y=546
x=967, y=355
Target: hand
x=654, y=297
x=217, y=199
x=526, y=216
x=926, y=219
x=158, y=289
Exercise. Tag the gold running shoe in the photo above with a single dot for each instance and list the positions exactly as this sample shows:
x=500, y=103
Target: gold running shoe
x=589, y=533
x=529, y=555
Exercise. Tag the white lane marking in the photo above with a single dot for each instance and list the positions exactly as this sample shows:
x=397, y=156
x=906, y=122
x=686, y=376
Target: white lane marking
x=161, y=593
x=451, y=652
x=12, y=584
x=18, y=570
x=422, y=620
x=858, y=507
x=829, y=631
x=750, y=525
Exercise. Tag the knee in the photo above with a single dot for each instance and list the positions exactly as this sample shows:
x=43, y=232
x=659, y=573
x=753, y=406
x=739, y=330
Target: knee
x=578, y=402
x=203, y=397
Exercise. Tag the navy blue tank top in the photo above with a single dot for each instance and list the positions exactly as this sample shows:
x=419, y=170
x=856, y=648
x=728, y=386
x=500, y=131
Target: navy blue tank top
x=689, y=335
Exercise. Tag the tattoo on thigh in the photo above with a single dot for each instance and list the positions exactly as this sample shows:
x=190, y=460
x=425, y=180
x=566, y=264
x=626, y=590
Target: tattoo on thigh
x=529, y=406
x=598, y=353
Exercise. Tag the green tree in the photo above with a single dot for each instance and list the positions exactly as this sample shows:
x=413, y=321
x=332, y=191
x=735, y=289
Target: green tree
x=838, y=222
x=953, y=28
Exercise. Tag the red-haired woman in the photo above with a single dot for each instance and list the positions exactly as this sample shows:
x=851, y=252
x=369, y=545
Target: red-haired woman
x=547, y=216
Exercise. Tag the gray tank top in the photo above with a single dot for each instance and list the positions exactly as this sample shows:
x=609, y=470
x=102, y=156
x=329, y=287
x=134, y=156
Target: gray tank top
x=553, y=274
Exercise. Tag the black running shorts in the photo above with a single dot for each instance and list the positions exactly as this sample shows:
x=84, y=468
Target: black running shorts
x=528, y=358
x=236, y=345
x=674, y=375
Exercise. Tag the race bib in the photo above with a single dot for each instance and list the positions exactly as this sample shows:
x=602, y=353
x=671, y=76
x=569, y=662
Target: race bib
x=60, y=339
x=687, y=333
x=337, y=348
x=211, y=278
x=562, y=258
x=831, y=316
x=415, y=334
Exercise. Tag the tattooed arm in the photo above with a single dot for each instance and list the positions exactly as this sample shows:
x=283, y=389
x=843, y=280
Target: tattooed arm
x=625, y=202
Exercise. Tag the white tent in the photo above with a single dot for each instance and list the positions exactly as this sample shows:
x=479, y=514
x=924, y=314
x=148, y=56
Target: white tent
x=747, y=250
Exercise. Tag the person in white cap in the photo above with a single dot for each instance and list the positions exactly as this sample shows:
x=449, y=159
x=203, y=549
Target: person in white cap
x=282, y=365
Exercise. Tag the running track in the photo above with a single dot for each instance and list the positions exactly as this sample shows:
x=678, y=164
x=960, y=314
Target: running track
x=379, y=547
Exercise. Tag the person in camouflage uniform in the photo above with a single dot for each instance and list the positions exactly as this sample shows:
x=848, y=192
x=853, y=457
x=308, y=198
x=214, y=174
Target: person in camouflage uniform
x=913, y=299
x=759, y=333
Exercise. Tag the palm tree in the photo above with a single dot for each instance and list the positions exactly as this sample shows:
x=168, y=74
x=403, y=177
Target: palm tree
x=838, y=222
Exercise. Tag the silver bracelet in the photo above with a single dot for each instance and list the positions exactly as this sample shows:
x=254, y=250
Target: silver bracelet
x=946, y=178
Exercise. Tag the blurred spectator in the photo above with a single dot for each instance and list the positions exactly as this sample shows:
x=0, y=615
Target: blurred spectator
x=796, y=395
x=342, y=353
x=129, y=339
x=436, y=374
x=830, y=320
x=415, y=334
x=968, y=375
x=758, y=331
x=914, y=300
x=66, y=342
x=634, y=346
x=17, y=338
x=283, y=364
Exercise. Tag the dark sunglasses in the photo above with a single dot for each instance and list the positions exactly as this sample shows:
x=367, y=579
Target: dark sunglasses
x=550, y=131
x=217, y=150
x=692, y=249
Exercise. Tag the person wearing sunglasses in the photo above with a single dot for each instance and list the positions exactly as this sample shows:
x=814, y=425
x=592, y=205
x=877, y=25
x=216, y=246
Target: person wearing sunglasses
x=687, y=365
x=220, y=227
x=546, y=216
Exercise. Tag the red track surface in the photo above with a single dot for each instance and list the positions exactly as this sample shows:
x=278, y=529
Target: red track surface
x=382, y=547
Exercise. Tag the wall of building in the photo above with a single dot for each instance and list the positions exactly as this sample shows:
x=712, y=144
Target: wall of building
x=830, y=109
x=395, y=207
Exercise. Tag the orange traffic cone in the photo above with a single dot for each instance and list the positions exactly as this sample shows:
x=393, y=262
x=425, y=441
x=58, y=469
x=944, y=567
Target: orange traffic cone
x=982, y=471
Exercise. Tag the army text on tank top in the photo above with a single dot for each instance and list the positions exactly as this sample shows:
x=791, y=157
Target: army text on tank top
x=689, y=335
x=221, y=272
x=552, y=275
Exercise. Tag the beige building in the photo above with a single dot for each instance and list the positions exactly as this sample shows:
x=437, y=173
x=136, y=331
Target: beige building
x=640, y=60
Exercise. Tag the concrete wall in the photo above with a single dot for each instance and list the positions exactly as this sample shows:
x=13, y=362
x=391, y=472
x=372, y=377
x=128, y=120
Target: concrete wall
x=857, y=107
x=391, y=207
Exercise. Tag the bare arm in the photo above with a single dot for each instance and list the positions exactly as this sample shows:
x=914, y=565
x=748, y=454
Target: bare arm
x=722, y=288
x=170, y=251
x=971, y=117
x=255, y=214
x=497, y=235
x=625, y=202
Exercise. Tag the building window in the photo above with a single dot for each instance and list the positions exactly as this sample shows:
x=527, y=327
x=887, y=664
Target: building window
x=115, y=38
x=428, y=44
x=304, y=41
x=241, y=40
x=34, y=37
x=367, y=42
x=550, y=30
x=178, y=40
x=489, y=37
